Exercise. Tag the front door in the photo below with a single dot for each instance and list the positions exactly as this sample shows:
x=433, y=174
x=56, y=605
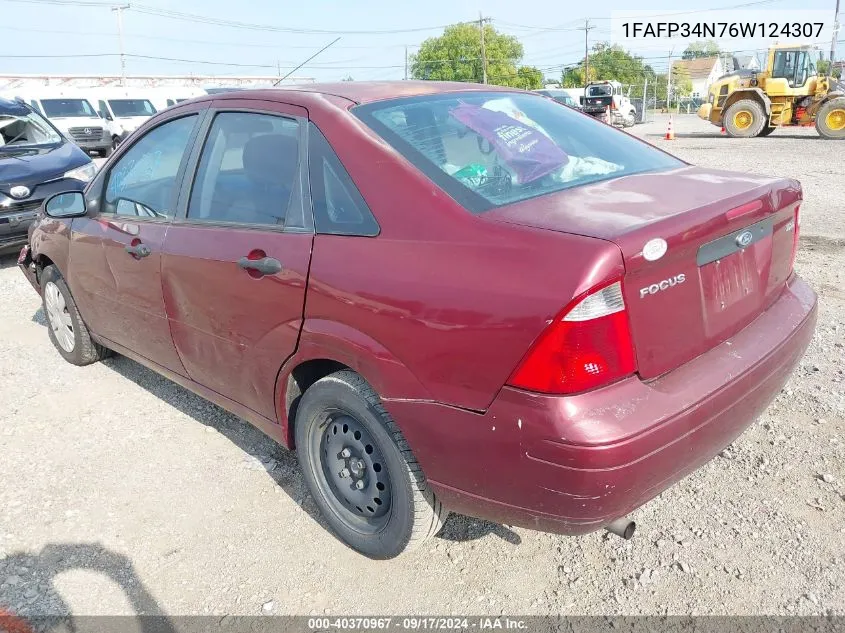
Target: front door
x=116, y=251
x=235, y=263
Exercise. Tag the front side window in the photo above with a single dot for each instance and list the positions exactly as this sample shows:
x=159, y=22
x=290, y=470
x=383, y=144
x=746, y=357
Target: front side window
x=248, y=170
x=131, y=107
x=143, y=182
x=491, y=149
x=67, y=108
x=22, y=129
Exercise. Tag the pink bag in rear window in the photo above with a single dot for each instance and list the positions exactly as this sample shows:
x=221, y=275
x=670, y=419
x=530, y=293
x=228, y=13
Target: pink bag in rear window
x=529, y=153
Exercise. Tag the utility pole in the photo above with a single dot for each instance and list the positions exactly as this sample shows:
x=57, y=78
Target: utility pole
x=481, y=22
x=833, y=39
x=119, y=10
x=406, y=63
x=669, y=82
x=586, y=28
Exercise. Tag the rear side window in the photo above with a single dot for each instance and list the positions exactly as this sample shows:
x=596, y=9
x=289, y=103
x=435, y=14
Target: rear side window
x=248, y=172
x=339, y=208
x=492, y=149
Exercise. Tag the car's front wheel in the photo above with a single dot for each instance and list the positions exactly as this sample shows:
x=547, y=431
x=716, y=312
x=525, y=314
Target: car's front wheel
x=67, y=332
x=361, y=471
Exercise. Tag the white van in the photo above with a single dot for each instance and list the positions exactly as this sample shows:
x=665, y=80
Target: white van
x=124, y=110
x=75, y=117
x=168, y=96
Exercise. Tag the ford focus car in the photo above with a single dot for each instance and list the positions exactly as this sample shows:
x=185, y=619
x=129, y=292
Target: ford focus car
x=443, y=296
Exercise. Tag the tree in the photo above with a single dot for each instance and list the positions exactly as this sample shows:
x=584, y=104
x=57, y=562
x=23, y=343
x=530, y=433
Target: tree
x=530, y=78
x=456, y=56
x=610, y=62
x=681, y=82
x=696, y=50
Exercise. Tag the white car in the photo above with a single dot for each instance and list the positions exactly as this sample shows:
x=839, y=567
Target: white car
x=123, y=111
x=77, y=120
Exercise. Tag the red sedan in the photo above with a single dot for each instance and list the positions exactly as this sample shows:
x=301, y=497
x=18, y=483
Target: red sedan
x=444, y=296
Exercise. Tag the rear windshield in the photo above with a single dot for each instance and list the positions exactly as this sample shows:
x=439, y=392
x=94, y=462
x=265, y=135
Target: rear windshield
x=600, y=91
x=131, y=107
x=492, y=149
x=67, y=107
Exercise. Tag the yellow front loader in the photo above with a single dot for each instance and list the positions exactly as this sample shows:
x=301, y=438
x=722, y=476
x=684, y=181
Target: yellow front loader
x=788, y=92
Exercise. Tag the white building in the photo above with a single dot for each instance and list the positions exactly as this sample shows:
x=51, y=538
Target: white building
x=702, y=72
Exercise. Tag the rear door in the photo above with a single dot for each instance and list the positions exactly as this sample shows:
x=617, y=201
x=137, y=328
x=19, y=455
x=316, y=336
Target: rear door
x=116, y=250
x=235, y=262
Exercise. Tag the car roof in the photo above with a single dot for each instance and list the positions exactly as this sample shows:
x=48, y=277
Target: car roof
x=366, y=91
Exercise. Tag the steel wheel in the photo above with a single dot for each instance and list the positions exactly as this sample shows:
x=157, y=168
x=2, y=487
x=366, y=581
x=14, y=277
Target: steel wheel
x=58, y=317
x=352, y=473
x=360, y=470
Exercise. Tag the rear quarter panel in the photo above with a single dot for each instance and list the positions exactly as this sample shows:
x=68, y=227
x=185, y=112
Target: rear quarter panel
x=452, y=297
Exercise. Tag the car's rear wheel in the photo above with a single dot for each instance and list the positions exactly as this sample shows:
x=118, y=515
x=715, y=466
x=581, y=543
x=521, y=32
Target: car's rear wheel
x=65, y=327
x=361, y=471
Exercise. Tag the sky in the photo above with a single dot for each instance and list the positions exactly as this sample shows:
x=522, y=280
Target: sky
x=373, y=33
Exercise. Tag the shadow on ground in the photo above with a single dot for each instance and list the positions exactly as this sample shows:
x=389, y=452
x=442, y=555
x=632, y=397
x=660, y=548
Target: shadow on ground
x=263, y=452
x=775, y=136
x=8, y=260
x=30, y=600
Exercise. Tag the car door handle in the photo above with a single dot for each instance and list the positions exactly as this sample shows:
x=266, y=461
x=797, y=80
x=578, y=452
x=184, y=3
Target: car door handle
x=265, y=265
x=139, y=250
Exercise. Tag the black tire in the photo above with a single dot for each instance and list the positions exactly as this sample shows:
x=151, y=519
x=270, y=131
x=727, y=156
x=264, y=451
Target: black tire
x=831, y=113
x=84, y=351
x=768, y=129
x=757, y=119
x=341, y=426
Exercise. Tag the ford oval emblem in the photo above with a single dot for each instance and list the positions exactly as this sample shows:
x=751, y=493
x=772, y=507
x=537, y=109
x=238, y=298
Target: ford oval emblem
x=19, y=192
x=654, y=249
x=744, y=239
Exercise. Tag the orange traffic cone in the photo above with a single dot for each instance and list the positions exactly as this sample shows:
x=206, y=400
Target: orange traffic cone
x=670, y=133
x=607, y=118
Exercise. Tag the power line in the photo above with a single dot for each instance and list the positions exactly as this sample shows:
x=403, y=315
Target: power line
x=202, y=19
x=20, y=29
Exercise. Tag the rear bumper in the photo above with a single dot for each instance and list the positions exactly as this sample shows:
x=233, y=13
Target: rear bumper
x=573, y=464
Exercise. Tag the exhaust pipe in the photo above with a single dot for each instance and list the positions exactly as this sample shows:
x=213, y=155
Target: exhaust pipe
x=623, y=527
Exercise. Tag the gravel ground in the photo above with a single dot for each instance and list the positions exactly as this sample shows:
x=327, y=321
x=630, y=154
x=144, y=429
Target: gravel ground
x=123, y=493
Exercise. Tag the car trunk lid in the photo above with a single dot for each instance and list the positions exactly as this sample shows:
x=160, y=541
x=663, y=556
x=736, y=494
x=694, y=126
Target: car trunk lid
x=729, y=246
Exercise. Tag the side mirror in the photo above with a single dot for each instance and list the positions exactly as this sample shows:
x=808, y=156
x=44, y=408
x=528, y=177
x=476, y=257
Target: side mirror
x=70, y=204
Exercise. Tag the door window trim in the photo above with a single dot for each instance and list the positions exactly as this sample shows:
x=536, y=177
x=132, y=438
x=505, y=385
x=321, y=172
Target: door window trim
x=102, y=186
x=181, y=218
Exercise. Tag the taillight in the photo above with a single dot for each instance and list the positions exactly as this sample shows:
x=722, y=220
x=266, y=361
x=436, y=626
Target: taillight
x=795, y=231
x=588, y=345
